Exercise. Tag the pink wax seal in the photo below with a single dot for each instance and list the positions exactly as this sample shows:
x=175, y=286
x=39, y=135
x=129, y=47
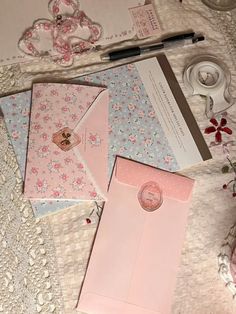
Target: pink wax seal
x=150, y=196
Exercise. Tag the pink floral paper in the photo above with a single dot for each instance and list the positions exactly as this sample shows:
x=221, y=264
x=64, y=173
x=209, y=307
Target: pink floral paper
x=52, y=173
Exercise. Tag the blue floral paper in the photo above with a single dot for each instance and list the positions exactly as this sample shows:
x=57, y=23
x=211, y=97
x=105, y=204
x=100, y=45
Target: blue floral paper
x=16, y=110
x=135, y=131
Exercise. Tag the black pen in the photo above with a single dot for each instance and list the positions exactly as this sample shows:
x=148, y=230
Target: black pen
x=170, y=42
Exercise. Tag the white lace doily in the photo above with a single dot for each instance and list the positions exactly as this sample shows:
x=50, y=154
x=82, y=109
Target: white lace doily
x=28, y=268
x=224, y=260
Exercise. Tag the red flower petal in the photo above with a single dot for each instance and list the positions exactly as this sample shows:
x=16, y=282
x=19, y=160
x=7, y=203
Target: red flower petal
x=210, y=129
x=218, y=137
x=223, y=122
x=214, y=121
x=227, y=130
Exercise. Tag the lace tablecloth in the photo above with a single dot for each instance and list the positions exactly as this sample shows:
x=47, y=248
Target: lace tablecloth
x=42, y=262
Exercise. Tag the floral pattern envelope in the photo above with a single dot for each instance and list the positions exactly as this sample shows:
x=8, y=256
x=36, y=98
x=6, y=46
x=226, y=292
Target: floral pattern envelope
x=68, y=127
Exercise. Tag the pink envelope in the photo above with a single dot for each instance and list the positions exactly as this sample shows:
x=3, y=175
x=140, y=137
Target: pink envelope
x=134, y=261
x=68, y=142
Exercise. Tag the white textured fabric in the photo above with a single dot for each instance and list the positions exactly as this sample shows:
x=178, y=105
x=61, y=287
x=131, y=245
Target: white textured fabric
x=73, y=240
x=66, y=237
x=28, y=270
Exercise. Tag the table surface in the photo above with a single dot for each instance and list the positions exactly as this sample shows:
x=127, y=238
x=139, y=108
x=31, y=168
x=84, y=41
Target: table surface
x=42, y=262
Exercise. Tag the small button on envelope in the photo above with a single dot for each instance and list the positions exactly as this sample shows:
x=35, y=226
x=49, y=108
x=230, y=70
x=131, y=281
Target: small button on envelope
x=66, y=139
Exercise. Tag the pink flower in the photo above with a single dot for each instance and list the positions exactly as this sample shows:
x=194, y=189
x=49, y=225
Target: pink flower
x=46, y=118
x=121, y=150
x=136, y=88
x=37, y=94
x=64, y=177
x=57, y=166
x=54, y=166
x=92, y=137
x=58, y=192
x=58, y=125
x=93, y=193
x=43, y=107
x=55, y=9
x=74, y=117
x=130, y=66
x=34, y=170
x=80, y=166
x=131, y=107
x=78, y=181
x=45, y=149
x=151, y=114
x=28, y=34
x=37, y=115
x=54, y=92
x=117, y=107
x=132, y=138
x=79, y=88
x=67, y=98
x=168, y=159
x=41, y=185
x=37, y=126
x=67, y=2
x=44, y=136
x=148, y=141
x=25, y=112
x=15, y=135
x=65, y=109
x=78, y=184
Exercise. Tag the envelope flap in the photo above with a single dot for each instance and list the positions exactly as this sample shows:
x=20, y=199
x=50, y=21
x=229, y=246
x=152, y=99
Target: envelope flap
x=94, y=303
x=93, y=130
x=137, y=174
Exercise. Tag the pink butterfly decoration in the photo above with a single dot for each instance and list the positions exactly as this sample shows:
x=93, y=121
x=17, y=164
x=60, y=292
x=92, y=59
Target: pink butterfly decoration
x=69, y=33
